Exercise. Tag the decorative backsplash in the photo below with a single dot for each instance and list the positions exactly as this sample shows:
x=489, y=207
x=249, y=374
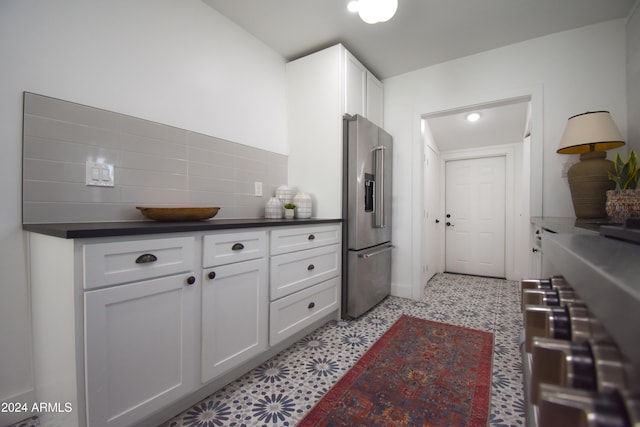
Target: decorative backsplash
x=153, y=165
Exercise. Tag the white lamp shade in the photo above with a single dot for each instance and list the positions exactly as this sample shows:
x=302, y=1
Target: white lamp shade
x=591, y=131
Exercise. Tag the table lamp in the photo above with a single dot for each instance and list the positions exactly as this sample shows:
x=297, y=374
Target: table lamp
x=590, y=134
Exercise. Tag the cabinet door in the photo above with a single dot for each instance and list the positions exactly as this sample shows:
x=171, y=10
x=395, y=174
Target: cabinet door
x=139, y=342
x=234, y=315
x=375, y=94
x=355, y=86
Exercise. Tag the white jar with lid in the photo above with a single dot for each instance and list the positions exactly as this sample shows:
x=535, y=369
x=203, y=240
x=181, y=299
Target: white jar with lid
x=303, y=204
x=273, y=209
x=285, y=194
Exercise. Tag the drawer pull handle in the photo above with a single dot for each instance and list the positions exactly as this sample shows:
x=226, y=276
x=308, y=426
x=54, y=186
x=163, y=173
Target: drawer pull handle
x=191, y=280
x=311, y=305
x=145, y=258
x=211, y=275
x=312, y=237
x=237, y=247
x=311, y=267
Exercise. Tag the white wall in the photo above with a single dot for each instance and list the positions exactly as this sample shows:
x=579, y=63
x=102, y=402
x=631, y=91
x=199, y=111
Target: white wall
x=174, y=62
x=574, y=71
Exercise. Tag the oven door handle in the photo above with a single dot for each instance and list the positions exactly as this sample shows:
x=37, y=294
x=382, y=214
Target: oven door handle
x=378, y=252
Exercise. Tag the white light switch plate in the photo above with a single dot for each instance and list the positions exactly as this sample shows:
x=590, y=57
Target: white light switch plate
x=258, y=189
x=99, y=174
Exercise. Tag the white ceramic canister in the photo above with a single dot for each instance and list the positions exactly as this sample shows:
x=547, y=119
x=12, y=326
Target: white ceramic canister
x=285, y=194
x=273, y=208
x=303, y=205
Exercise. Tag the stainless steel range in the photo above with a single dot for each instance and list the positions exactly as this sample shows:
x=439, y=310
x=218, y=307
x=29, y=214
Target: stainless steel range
x=581, y=343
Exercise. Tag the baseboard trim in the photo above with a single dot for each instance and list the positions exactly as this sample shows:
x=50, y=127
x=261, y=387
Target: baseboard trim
x=27, y=397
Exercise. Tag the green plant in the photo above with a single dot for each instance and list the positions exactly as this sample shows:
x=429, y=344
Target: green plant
x=289, y=206
x=625, y=174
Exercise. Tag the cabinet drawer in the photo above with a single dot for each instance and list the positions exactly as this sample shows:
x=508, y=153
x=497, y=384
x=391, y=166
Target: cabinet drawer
x=293, y=313
x=299, y=238
x=295, y=271
x=226, y=248
x=120, y=262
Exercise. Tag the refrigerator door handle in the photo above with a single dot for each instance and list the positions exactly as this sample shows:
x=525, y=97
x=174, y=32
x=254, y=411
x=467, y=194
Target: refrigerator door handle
x=379, y=220
x=378, y=252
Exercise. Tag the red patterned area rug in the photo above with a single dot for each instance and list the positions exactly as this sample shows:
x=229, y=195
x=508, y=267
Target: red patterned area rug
x=419, y=373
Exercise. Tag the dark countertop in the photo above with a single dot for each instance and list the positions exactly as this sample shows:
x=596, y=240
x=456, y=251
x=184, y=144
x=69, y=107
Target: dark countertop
x=132, y=228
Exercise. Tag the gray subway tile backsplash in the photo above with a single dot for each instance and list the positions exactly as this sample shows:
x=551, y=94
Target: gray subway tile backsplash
x=154, y=165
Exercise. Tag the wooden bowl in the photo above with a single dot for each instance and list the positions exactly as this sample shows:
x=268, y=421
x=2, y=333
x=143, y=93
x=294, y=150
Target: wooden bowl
x=178, y=214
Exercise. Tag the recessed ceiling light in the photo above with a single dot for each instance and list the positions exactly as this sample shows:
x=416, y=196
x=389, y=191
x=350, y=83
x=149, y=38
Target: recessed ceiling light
x=473, y=117
x=353, y=6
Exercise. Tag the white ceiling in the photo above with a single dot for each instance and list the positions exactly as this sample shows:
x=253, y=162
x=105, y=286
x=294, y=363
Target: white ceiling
x=422, y=33
x=499, y=123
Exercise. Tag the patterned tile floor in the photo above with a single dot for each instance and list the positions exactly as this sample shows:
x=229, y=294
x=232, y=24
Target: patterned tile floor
x=282, y=390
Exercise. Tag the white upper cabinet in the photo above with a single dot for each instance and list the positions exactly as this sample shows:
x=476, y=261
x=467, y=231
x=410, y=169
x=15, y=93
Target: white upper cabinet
x=355, y=85
x=375, y=99
x=363, y=91
x=321, y=88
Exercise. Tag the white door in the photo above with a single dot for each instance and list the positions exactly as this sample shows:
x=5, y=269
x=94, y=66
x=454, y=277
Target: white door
x=475, y=216
x=431, y=222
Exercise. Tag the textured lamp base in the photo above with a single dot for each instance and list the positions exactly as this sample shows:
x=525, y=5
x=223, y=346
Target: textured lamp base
x=589, y=182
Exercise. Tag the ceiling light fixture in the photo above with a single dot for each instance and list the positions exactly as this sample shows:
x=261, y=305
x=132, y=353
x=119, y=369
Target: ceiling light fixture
x=374, y=11
x=473, y=117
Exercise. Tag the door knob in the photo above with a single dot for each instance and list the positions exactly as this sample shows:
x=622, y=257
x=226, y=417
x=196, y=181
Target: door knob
x=448, y=215
x=437, y=221
x=449, y=224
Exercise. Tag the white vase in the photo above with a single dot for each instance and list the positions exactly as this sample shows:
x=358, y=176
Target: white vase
x=285, y=194
x=303, y=205
x=288, y=213
x=273, y=209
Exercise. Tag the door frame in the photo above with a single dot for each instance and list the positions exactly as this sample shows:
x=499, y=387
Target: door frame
x=431, y=265
x=531, y=173
x=512, y=154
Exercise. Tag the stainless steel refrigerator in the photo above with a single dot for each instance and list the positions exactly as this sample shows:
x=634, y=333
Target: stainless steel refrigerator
x=366, y=213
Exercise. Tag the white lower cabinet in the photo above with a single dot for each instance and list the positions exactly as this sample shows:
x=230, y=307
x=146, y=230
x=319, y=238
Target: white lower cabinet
x=126, y=328
x=234, y=315
x=139, y=340
x=304, y=278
